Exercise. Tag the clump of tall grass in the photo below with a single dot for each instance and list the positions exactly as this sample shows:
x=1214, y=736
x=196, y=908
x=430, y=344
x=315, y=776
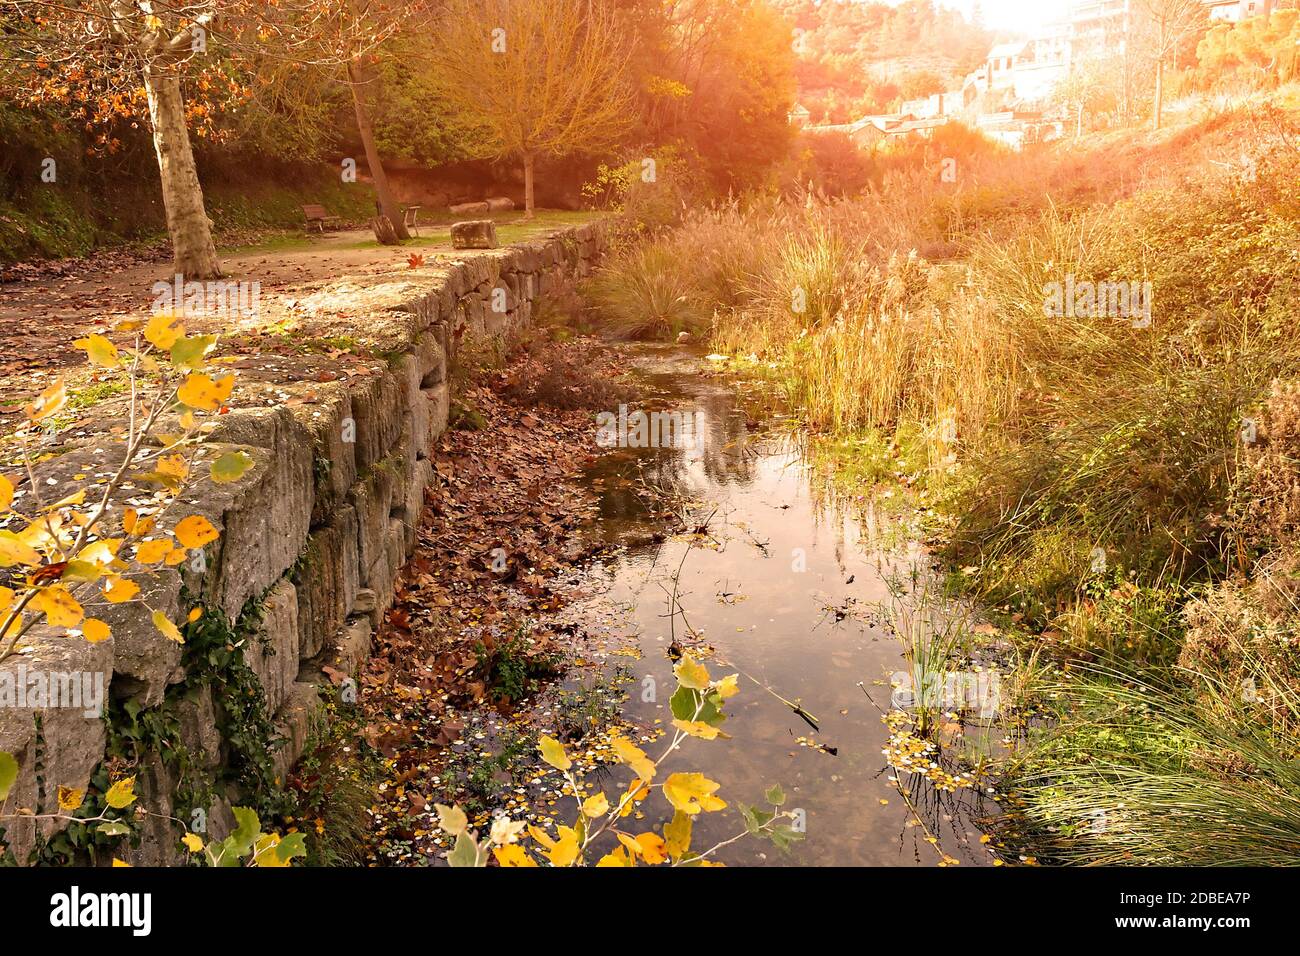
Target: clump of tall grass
x=1141, y=771
x=644, y=293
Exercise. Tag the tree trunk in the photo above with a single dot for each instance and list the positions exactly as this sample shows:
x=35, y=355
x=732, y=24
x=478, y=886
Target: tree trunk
x=1160, y=92
x=528, y=185
x=193, y=251
x=386, y=201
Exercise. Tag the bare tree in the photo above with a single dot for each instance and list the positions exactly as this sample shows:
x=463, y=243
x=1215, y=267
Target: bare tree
x=541, y=77
x=1166, y=25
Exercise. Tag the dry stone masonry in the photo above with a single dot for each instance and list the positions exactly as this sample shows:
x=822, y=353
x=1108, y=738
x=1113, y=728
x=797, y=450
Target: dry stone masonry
x=311, y=543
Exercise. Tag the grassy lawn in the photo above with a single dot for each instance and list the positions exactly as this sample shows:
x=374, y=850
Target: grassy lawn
x=511, y=228
x=435, y=232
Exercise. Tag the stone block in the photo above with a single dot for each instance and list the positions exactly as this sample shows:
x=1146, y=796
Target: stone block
x=474, y=234
x=302, y=713
x=377, y=407
x=372, y=500
x=328, y=579
x=75, y=675
x=273, y=650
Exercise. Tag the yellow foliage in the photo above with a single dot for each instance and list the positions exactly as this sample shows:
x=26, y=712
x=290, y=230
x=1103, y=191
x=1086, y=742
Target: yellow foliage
x=692, y=792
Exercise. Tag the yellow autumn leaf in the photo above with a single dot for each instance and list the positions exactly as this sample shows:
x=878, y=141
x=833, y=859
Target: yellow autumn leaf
x=48, y=402
x=513, y=855
x=266, y=854
x=677, y=835
x=636, y=792
x=13, y=627
x=692, y=792
x=13, y=550
x=95, y=630
x=653, y=848
x=6, y=493
x=691, y=673
x=75, y=498
x=633, y=756
x=728, y=687
x=697, y=728
x=121, y=794
x=117, y=862
x=70, y=798
x=174, y=466
x=561, y=852
x=553, y=753
x=59, y=606
x=162, y=333
x=195, y=531
x=152, y=552
x=175, y=558
x=595, y=806
x=618, y=857
x=453, y=820
x=166, y=628
x=196, y=612
x=101, y=552
x=99, y=350
x=199, y=391
x=6, y=598
x=193, y=842
x=120, y=590
x=82, y=572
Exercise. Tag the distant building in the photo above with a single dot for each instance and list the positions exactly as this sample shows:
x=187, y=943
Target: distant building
x=1002, y=61
x=1099, y=28
x=1004, y=96
x=1234, y=11
x=919, y=108
x=799, y=116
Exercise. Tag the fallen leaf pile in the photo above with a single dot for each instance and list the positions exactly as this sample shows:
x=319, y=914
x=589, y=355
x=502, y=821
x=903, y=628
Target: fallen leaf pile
x=502, y=527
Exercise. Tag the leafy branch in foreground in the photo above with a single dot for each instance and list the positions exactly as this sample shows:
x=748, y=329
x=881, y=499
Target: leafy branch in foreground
x=697, y=712
x=63, y=548
x=68, y=549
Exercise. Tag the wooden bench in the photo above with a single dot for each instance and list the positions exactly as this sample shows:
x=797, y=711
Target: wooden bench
x=317, y=216
x=411, y=218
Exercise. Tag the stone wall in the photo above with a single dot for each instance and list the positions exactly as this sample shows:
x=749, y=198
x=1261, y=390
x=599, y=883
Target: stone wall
x=312, y=539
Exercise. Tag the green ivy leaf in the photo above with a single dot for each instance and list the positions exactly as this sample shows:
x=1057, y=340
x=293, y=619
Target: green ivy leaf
x=8, y=774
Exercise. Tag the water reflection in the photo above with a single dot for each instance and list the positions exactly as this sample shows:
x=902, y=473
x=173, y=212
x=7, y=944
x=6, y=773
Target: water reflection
x=781, y=586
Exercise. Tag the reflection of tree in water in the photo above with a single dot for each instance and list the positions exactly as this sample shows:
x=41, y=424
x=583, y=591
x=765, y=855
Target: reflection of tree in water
x=637, y=481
